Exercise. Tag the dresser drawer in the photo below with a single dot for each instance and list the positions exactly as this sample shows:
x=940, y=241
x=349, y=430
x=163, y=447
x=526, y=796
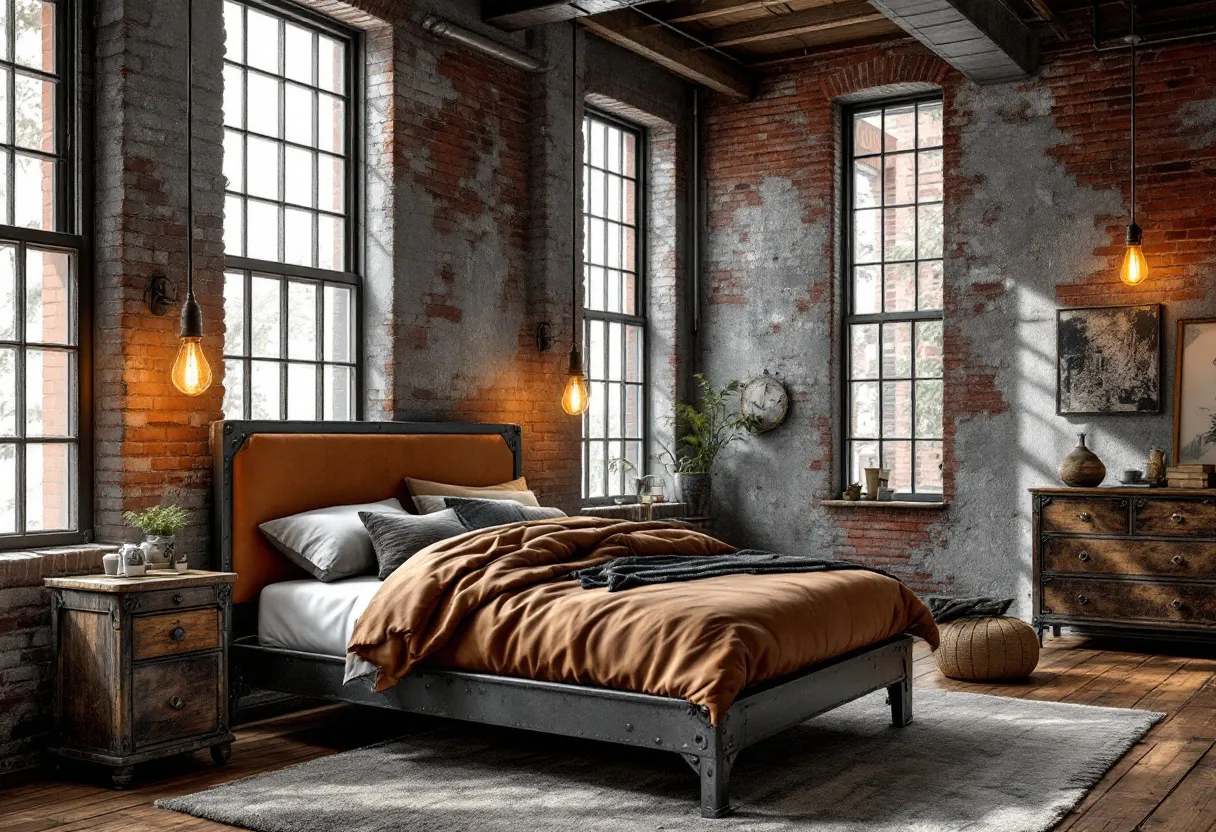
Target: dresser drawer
x=1081, y=515
x=1149, y=558
x=1150, y=601
x=1176, y=518
x=184, y=632
x=176, y=699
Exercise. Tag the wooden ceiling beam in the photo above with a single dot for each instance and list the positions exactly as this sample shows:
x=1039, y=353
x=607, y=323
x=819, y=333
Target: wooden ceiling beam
x=692, y=11
x=514, y=15
x=796, y=23
x=631, y=31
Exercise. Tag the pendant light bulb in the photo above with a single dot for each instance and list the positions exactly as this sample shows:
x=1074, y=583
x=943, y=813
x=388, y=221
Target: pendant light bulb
x=191, y=373
x=577, y=395
x=1135, y=266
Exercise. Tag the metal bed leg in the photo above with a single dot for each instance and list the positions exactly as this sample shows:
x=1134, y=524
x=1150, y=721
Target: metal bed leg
x=900, y=697
x=714, y=766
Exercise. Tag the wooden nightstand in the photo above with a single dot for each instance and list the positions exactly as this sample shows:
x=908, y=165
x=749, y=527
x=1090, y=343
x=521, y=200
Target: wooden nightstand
x=142, y=667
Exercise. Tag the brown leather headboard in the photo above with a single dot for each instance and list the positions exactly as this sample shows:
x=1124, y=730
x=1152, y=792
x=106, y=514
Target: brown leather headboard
x=266, y=470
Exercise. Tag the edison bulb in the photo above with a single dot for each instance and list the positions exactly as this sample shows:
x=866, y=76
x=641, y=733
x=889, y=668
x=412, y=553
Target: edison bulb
x=191, y=372
x=577, y=395
x=1135, y=267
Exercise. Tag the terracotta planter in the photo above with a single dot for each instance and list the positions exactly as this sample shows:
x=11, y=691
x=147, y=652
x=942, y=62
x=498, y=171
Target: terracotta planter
x=694, y=493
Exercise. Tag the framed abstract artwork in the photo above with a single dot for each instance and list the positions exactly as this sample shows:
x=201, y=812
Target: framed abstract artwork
x=1195, y=392
x=1108, y=360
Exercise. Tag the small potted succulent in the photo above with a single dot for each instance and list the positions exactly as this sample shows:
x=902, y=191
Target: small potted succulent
x=159, y=525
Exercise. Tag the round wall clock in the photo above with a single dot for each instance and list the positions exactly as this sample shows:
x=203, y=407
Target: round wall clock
x=766, y=397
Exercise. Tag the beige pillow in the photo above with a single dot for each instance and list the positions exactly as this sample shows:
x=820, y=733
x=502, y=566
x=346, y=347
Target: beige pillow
x=442, y=489
x=431, y=503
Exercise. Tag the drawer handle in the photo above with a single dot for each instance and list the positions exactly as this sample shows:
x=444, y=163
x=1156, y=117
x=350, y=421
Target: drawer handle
x=177, y=703
x=1177, y=518
x=1082, y=600
x=177, y=634
x=1082, y=556
x=1176, y=603
x=177, y=598
x=1177, y=560
x=1084, y=516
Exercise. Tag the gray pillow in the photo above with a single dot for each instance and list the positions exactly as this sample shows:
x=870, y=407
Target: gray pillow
x=329, y=543
x=481, y=514
x=429, y=503
x=398, y=537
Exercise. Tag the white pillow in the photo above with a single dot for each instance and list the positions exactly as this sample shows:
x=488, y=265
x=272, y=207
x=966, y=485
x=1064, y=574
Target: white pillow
x=329, y=543
x=429, y=504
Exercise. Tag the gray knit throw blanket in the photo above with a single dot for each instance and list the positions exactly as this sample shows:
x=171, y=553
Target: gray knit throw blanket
x=630, y=572
x=948, y=609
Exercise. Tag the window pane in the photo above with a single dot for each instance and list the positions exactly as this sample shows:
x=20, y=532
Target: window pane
x=301, y=320
x=234, y=32
x=35, y=126
x=49, y=400
x=35, y=34
x=339, y=324
x=331, y=123
x=49, y=302
x=928, y=467
x=331, y=64
x=929, y=286
x=897, y=409
x=899, y=234
x=928, y=409
x=899, y=179
x=234, y=226
x=299, y=121
x=930, y=176
x=597, y=411
x=298, y=53
x=929, y=349
x=331, y=243
x=867, y=183
x=339, y=393
x=298, y=247
x=614, y=290
x=8, y=391
x=263, y=229
x=264, y=390
x=263, y=40
x=863, y=351
x=48, y=486
x=931, y=236
x=234, y=96
x=867, y=133
x=594, y=358
x=263, y=92
x=34, y=181
x=299, y=184
x=234, y=389
x=633, y=353
x=597, y=467
x=331, y=183
x=897, y=456
x=862, y=455
x=594, y=288
x=265, y=311
x=8, y=292
x=302, y=391
x=863, y=412
x=633, y=411
x=867, y=236
x=897, y=350
x=5, y=136
x=929, y=117
x=899, y=128
x=234, y=161
x=8, y=489
x=615, y=356
x=899, y=287
x=263, y=168
x=616, y=407
x=867, y=290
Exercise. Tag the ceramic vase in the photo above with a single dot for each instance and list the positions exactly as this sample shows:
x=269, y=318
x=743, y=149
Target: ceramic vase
x=694, y=493
x=1082, y=468
x=158, y=550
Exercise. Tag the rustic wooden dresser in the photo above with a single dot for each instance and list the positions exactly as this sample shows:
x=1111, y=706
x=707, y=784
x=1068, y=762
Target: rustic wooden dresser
x=1133, y=561
x=141, y=667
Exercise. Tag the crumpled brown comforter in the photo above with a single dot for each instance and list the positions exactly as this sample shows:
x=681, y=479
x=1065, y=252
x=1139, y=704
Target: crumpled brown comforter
x=494, y=601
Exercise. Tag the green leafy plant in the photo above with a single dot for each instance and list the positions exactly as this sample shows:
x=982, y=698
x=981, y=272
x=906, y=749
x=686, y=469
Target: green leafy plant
x=707, y=427
x=158, y=520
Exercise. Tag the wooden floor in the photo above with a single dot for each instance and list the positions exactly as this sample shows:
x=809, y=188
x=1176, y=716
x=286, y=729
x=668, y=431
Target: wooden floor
x=1167, y=783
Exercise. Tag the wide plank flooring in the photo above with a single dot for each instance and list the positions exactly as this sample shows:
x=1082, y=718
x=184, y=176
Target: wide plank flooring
x=1167, y=783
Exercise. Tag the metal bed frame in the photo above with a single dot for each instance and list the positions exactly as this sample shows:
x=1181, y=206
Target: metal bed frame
x=588, y=712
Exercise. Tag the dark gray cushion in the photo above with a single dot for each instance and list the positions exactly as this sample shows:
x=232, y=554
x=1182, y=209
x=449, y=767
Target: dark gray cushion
x=398, y=537
x=330, y=543
x=481, y=514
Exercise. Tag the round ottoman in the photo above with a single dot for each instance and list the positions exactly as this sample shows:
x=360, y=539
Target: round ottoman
x=987, y=649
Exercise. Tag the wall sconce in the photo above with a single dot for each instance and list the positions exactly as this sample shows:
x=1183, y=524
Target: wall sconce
x=161, y=296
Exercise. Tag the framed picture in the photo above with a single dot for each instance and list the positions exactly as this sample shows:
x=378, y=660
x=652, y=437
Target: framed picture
x=1108, y=360
x=1195, y=392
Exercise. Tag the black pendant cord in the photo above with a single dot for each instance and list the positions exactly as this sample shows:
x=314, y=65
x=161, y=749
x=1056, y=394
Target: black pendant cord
x=190, y=149
x=574, y=212
x=1132, y=40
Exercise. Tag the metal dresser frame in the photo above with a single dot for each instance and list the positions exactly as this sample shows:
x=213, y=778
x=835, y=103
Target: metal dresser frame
x=583, y=711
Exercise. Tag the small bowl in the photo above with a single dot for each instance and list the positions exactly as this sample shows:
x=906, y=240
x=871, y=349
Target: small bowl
x=1132, y=475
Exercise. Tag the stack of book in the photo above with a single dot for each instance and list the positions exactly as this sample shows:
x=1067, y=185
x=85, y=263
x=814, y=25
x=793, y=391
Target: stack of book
x=1195, y=475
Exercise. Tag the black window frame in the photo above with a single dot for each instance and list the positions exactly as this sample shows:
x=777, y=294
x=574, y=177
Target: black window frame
x=353, y=205
x=642, y=144
x=74, y=219
x=849, y=318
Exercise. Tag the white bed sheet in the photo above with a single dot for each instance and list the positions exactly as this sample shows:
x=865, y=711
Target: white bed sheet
x=313, y=616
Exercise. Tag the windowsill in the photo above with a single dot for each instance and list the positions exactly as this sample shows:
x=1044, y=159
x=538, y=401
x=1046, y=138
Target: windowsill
x=27, y=567
x=914, y=505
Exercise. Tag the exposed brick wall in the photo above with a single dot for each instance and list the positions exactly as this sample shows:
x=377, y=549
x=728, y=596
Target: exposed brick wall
x=1036, y=189
x=26, y=673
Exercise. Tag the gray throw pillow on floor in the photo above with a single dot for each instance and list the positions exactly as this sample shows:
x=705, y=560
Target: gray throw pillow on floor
x=398, y=537
x=330, y=543
x=481, y=514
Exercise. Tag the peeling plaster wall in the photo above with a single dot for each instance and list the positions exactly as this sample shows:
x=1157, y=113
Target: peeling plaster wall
x=1036, y=196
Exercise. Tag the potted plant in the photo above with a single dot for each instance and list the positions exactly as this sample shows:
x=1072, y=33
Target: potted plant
x=703, y=430
x=159, y=525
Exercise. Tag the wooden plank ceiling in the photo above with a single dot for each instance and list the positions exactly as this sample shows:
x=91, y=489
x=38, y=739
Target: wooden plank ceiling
x=721, y=43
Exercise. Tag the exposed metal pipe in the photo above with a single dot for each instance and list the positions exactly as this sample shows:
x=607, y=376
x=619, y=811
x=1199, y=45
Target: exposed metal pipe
x=694, y=180
x=446, y=30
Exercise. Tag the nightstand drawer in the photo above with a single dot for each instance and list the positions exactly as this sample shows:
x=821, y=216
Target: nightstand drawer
x=175, y=699
x=1176, y=518
x=185, y=632
x=1149, y=558
x=1130, y=600
x=1080, y=515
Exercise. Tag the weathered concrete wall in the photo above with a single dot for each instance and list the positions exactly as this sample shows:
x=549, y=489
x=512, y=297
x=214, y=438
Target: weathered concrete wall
x=1036, y=192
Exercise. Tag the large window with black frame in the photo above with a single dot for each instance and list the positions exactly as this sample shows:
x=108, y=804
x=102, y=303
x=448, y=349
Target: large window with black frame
x=291, y=290
x=41, y=249
x=893, y=384
x=614, y=337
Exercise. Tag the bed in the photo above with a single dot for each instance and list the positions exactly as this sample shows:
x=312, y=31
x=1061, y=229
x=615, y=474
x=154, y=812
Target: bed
x=289, y=631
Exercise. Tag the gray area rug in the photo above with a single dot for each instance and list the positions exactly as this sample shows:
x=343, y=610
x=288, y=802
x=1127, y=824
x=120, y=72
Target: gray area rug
x=967, y=762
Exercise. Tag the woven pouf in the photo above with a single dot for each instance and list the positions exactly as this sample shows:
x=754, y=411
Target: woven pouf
x=987, y=649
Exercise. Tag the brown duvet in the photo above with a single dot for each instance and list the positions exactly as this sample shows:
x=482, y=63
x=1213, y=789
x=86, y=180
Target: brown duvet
x=492, y=601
